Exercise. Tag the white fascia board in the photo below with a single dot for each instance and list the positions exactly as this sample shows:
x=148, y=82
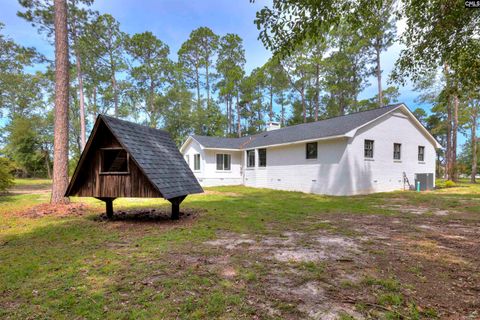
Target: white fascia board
x=402, y=106
x=185, y=144
x=221, y=149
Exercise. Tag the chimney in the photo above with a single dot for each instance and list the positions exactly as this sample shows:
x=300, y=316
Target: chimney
x=272, y=125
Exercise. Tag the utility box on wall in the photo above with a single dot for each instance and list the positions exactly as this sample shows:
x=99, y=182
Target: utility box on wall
x=426, y=181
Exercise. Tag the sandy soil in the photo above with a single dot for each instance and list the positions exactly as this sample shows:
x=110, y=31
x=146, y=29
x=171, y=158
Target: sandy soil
x=436, y=263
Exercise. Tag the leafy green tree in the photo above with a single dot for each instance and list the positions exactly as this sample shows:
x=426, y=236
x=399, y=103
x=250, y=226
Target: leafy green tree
x=345, y=70
x=177, y=109
x=151, y=71
x=230, y=67
x=18, y=90
x=299, y=72
x=253, y=108
x=104, y=41
x=436, y=32
x=288, y=24
x=24, y=145
x=6, y=176
x=379, y=27
x=389, y=96
x=473, y=121
x=276, y=83
x=196, y=56
x=421, y=115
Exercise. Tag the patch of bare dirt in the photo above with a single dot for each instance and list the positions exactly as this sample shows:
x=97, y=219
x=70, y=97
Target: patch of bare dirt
x=149, y=215
x=31, y=189
x=435, y=259
x=286, y=279
x=418, y=210
x=58, y=210
x=288, y=247
x=142, y=220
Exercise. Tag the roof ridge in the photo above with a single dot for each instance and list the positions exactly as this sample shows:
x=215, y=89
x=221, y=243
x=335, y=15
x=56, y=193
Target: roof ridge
x=302, y=124
x=133, y=123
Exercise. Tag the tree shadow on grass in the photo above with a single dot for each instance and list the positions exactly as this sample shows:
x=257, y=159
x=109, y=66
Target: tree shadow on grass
x=143, y=215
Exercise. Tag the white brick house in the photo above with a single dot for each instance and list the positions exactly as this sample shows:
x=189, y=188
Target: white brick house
x=360, y=153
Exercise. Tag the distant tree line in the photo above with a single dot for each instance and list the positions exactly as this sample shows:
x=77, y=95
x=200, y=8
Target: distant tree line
x=323, y=54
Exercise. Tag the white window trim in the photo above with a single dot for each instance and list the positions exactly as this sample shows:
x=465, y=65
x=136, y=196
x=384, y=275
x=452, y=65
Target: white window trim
x=199, y=162
x=400, y=152
x=373, y=150
x=247, y=167
x=418, y=153
x=223, y=170
x=257, y=155
x=311, y=159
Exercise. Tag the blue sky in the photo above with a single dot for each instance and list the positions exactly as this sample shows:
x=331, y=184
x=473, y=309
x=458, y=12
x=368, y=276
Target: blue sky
x=173, y=20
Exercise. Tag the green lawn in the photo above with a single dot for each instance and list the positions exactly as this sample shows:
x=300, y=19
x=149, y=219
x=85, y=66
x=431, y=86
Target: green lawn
x=248, y=253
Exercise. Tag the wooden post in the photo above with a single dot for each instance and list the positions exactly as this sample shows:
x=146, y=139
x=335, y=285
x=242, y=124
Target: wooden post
x=175, y=211
x=176, y=206
x=108, y=206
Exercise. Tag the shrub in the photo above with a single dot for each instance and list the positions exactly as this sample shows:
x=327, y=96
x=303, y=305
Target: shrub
x=450, y=184
x=6, y=176
x=441, y=184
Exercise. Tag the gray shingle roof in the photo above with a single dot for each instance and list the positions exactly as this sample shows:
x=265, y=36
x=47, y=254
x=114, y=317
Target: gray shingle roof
x=157, y=157
x=307, y=131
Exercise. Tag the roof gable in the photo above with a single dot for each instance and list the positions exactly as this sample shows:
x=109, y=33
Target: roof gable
x=155, y=154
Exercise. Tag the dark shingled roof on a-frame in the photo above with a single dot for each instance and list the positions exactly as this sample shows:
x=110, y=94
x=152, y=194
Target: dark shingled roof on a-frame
x=157, y=156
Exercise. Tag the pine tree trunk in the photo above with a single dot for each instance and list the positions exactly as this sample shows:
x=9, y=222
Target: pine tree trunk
x=95, y=111
x=448, y=157
x=60, y=144
x=317, y=91
x=230, y=115
x=153, y=121
x=239, y=127
x=207, y=84
x=379, y=76
x=454, y=138
x=83, y=130
x=197, y=80
x=304, y=107
x=115, y=96
x=47, y=164
x=474, y=145
x=83, y=134
x=270, y=114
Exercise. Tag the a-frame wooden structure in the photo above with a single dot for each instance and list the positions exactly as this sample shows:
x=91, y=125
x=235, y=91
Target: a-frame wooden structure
x=124, y=159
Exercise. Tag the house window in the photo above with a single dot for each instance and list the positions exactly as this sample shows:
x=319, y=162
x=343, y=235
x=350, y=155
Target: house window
x=397, y=148
x=262, y=157
x=196, y=162
x=250, y=158
x=114, y=161
x=312, y=150
x=368, y=149
x=421, y=153
x=223, y=161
